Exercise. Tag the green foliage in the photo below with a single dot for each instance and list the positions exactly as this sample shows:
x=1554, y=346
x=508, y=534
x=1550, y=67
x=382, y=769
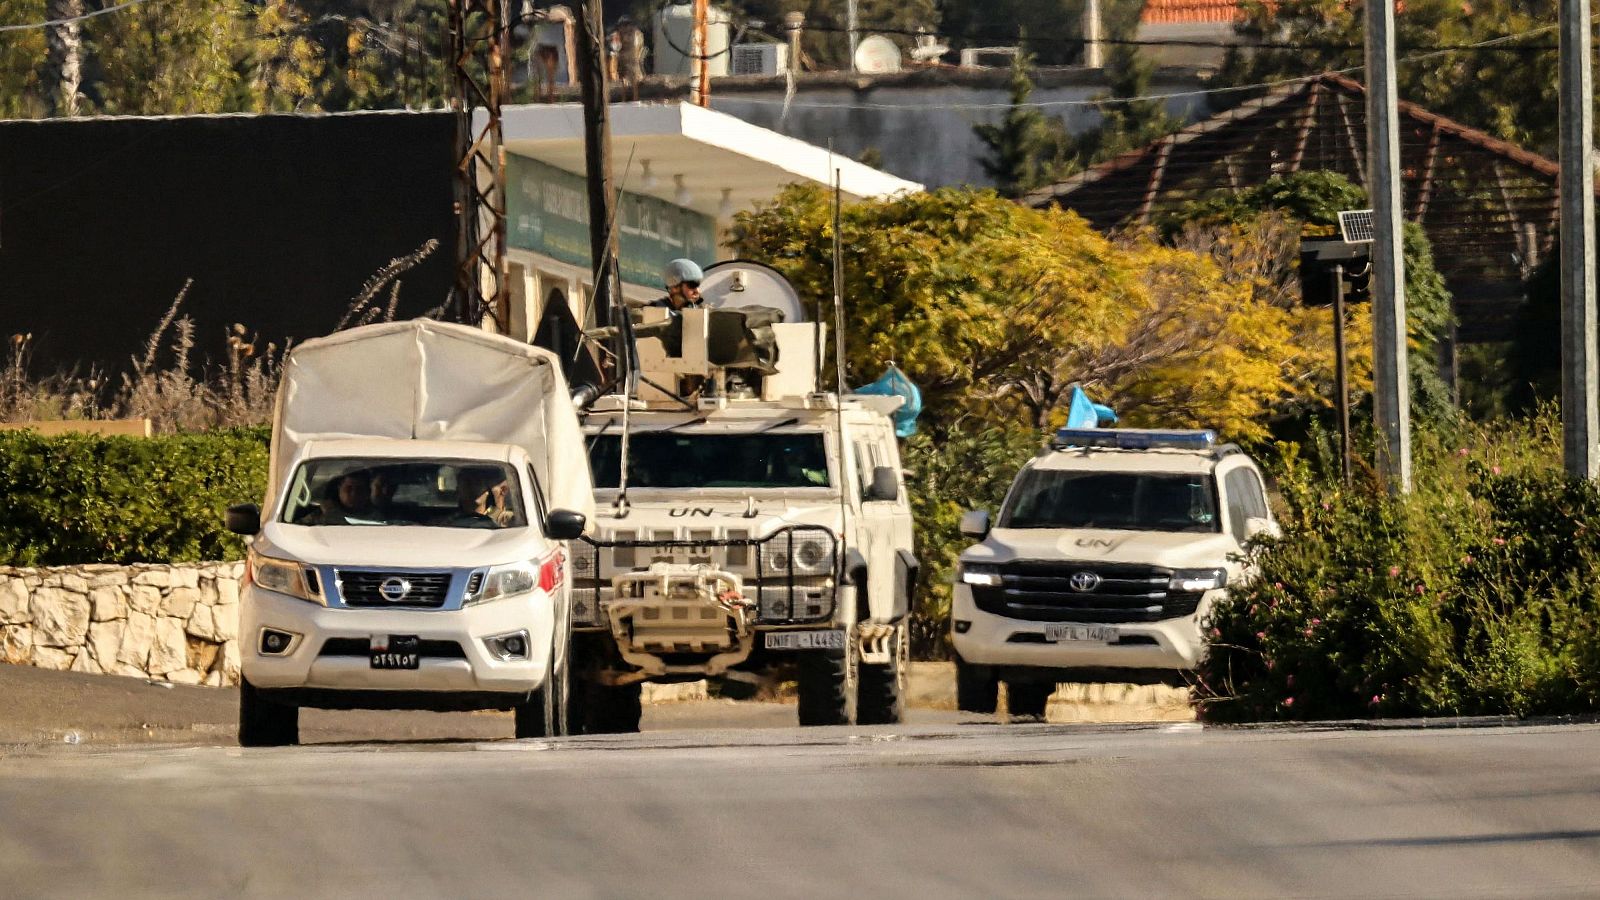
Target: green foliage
x=1026, y=148
x=1126, y=121
x=22, y=56
x=1509, y=93
x=969, y=467
x=1314, y=198
x=1475, y=595
x=83, y=499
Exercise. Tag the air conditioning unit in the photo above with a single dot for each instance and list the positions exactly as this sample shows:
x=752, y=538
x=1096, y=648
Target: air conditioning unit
x=759, y=59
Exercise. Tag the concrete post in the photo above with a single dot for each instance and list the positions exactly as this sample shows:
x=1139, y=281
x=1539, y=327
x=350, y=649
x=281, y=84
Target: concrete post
x=1579, y=426
x=1391, y=388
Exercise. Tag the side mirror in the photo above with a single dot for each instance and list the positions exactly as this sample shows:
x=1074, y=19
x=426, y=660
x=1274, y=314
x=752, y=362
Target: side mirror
x=564, y=525
x=885, y=486
x=1255, y=527
x=975, y=524
x=243, y=518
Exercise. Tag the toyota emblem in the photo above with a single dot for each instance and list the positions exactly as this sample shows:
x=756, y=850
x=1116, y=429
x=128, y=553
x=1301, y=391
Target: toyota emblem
x=1084, y=582
x=394, y=589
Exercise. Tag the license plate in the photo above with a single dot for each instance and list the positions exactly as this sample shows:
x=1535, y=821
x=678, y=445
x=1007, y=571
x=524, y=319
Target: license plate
x=395, y=651
x=1069, y=632
x=805, y=640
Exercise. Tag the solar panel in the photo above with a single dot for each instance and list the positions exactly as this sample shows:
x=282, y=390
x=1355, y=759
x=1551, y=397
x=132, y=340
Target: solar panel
x=1355, y=226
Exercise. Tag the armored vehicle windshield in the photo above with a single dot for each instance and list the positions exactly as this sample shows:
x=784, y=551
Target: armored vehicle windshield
x=690, y=460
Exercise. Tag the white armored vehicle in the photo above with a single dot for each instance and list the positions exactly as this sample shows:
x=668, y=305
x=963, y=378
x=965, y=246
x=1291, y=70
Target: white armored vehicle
x=759, y=527
x=1107, y=555
x=426, y=482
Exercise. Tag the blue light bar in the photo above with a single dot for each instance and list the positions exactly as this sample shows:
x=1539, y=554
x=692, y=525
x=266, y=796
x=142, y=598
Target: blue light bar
x=1136, y=439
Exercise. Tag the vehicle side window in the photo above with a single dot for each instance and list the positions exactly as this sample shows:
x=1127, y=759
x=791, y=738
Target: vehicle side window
x=1237, y=489
x=866, y=462
x=1255, y=496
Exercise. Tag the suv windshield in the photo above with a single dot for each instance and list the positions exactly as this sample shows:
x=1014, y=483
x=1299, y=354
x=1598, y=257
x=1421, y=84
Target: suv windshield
x=444, y=493
x=676, y=460
x=1132, y=501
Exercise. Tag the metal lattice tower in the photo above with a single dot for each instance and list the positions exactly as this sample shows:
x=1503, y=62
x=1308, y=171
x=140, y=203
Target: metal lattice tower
x=479, y=45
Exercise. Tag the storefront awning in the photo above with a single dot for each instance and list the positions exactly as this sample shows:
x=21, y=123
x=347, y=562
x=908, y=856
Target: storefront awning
x=692, y=151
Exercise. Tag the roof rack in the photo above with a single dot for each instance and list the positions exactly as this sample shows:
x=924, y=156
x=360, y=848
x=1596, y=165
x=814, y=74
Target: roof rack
x=1201, y=440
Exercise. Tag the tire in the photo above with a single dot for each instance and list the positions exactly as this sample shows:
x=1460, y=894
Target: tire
x=880, y=692
x=827, y=686
x=607, y=709
x=1028, y=699
x=544, y=713
x=977, y=690
x=264, y=722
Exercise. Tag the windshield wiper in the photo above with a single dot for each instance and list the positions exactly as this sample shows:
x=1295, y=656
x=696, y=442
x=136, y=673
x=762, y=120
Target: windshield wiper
x=775, y=425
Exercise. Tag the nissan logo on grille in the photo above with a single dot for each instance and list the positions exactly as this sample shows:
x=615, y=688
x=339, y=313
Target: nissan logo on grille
x=395, y=589
x=1084, y=582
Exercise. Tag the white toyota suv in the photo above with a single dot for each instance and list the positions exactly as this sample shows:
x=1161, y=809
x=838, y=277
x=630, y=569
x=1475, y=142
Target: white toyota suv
x=1109, y=550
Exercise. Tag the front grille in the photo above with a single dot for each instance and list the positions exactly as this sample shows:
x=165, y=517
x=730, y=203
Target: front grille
x=428, y=590
x=1041, y=591
x=784, y=593
x=429, y=649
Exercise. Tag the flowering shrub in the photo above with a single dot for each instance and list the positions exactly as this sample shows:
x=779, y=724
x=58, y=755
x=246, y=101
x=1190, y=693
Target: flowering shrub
x=1477, y=594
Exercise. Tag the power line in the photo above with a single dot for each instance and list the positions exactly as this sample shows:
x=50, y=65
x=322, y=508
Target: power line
x=1494, y=44
x=31, y=26
x=1175, y=95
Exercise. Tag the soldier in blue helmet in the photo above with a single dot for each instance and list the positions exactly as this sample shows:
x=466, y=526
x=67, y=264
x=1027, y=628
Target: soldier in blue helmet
x=682, y=277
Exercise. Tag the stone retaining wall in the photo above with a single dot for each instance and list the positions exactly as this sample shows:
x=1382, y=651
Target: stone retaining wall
x=177, y=623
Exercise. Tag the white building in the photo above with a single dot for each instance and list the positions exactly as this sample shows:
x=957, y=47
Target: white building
x=684, y=172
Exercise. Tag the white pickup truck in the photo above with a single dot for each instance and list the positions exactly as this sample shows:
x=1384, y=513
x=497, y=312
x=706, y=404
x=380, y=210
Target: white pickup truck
x=412, y=548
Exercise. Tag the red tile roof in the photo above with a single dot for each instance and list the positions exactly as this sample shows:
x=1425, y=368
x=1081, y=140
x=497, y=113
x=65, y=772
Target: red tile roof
x=1190, y=11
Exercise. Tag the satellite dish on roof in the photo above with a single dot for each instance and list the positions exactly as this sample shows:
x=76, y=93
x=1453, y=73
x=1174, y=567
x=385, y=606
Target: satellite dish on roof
x=737, y=283
x=876, y=55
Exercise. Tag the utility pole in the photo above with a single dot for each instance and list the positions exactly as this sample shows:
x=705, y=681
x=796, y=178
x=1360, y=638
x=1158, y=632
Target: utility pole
x=477, y=64
x=1390, y=386
x=597, y=158
x=1579, y=426
x=852, y=25
x=701, y=64
x=1093, y=57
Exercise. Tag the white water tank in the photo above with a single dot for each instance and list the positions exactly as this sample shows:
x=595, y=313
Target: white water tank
x=674, y=37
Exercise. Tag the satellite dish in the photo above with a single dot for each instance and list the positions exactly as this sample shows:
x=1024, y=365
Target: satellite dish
x=737, y=283
x=876, y=55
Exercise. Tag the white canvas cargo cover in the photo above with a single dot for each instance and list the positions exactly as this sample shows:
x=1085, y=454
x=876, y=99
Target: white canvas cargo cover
x=433, y=381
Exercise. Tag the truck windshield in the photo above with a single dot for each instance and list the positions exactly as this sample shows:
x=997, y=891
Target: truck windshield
x=442, y=493
x=679, y=460
x=1133, y=501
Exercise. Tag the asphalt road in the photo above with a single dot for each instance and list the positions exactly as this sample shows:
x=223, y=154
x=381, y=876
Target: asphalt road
x=964, y=810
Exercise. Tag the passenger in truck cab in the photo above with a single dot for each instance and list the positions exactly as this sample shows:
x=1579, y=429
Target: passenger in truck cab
x=345, y=499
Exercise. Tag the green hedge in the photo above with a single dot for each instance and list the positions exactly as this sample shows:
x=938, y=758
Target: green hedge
x=84, y=499
x=1477, y=595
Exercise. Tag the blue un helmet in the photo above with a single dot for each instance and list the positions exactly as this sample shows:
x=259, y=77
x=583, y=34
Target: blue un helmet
x=681, y=270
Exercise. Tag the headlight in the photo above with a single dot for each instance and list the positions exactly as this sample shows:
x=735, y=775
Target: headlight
x=521, y=577
x=979, y=574
x=506, y=581
x=810, y=555
x=285, y=577
x=1197, y=581
x=806, y=551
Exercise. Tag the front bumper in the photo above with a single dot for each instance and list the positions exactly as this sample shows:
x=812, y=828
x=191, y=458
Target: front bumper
x=991, y=640
x=305, y=666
